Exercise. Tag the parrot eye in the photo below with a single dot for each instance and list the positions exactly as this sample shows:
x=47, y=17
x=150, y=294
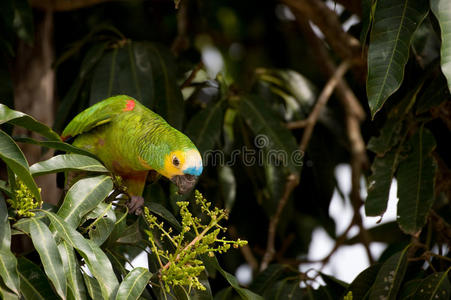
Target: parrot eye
x=175, y=161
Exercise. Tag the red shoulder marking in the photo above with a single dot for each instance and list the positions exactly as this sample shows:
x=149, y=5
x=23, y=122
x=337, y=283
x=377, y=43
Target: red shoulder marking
x=65, y=138
x=130, y=105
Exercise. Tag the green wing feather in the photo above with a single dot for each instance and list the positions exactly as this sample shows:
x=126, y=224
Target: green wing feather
x=96, y=115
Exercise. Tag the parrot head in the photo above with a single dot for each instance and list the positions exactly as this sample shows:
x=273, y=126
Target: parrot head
x=179, y=160
x=183, y=168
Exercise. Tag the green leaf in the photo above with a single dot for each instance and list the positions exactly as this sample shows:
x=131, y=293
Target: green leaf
x=6, y=293
x=8, y=262
x=224, y=294
x=388, y=233
x=67, y=162
x=267, y=278
x=416, y=182
x=95, y=258
x=245, y=294
x=204, y=128
x=395, y=22
x=133, y=284
x=84, y=196
x=435, y=286
x=33, y=282
x=5, y=229
x=144, y=71
x=93, y=287
x=45, y=244
x=131, y=234
x=390, y=276
x=361, y=285
x=285, y=289
x=433, y=95
x=270, y=133
x=408, y=289
x=67, y=104
x=105, y=218
x=296, y=90
x=442, y=11
x=8, y=270
x=11, y=154
x=161, y=211
x=368, y=8
x=389, y=136
x=5, y=189
x=72, y=271
x=335, y=285
x=379, y=183
x=8, y=115
x=58, y=145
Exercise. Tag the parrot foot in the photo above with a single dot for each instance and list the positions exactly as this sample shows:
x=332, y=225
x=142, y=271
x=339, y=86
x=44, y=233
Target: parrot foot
x=135, y=205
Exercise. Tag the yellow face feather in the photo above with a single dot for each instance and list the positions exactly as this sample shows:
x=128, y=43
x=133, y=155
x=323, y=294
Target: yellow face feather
x=170, y=169
x=181, y=163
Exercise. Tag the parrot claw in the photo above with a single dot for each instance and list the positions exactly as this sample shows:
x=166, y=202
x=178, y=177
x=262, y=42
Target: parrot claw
x=135, y=205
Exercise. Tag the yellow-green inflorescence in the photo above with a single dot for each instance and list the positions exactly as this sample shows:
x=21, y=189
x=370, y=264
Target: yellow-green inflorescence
x=23, y=201
x=182, y=267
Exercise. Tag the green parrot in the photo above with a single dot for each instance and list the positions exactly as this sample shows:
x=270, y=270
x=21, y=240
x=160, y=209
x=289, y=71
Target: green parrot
x=132, y=140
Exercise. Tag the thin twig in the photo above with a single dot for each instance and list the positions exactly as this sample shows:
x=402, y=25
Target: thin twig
x=322, y=100
x=292, y=182
x=343, y=43
x=354, y=114
x=191, y=76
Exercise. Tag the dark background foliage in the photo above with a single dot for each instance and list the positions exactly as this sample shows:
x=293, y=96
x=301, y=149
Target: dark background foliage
x=388, y=117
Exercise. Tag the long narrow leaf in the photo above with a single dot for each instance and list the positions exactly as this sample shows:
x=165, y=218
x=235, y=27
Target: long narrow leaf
x=8, y=115
x=57, y=145
x=95, y=258
x=442, y=11
x=33, y=282
x=133, y=284
x=205, y=127
x=416, y=182
x=8, y=262
x=84, y=196
x=395, y=21
x=8, y=270
x=435, y=286
x=67, y=162
x=270, y=133
x=93, y=287
x=45, y=244
x=389, y=278
x=72, y=271
x=11, y=154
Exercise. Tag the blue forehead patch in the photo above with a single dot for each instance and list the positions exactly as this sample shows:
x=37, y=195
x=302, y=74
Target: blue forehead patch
x=193, y=171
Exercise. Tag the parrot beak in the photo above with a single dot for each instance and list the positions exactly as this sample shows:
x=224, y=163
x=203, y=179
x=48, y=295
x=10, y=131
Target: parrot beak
x=184, y=182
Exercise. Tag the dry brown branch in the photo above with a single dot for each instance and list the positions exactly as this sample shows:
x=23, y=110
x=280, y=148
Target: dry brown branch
x=354, y=114
x=192, y=75
x=322, y=100
x=346, y=46
x=292, y=182
x=181, y=41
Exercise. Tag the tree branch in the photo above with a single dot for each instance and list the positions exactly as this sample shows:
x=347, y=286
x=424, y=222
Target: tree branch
x=346, y=46
x=354, y=114
x=292, y=182
x=322, y=100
